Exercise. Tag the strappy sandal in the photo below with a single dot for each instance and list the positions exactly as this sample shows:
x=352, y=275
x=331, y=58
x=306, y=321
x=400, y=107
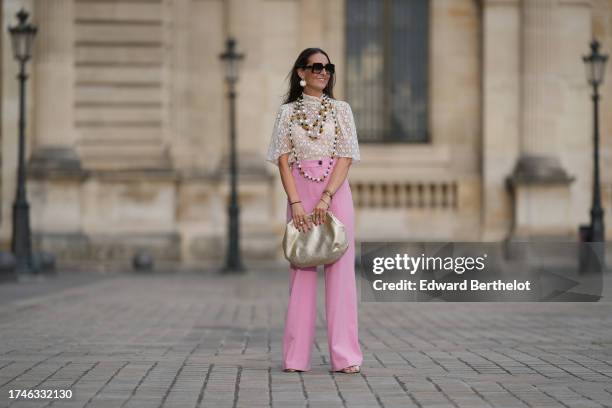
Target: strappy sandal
x=292, y=370
x=354, y=369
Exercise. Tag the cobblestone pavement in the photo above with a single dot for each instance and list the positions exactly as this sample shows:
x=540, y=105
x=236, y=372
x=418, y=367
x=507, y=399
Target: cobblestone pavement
x=203, y=340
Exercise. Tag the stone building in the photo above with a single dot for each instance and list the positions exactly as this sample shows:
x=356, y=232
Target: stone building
x=474, y=119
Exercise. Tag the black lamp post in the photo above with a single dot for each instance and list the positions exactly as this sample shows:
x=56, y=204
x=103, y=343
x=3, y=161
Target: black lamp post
x=233, y=262
x=595, y=68
x=22, y=36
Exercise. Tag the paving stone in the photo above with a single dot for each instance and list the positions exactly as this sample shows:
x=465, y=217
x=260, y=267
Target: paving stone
x=205, y=340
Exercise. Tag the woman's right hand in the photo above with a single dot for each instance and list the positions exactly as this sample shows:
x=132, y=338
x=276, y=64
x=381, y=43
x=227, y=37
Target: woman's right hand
x=300, y=220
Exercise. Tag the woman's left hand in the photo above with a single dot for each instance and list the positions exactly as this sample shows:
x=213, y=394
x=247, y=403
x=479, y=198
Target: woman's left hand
x=319, y=212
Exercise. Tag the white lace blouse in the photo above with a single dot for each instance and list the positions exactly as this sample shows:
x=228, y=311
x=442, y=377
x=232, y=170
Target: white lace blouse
x=313, y=149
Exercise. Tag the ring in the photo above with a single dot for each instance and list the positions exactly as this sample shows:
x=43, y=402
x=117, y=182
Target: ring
x=301, y=222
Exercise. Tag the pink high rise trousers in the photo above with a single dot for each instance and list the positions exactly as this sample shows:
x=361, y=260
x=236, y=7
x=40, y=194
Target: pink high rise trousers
x=340, y=285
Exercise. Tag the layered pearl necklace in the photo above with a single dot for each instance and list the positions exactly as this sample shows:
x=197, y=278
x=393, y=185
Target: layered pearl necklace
x=319, y=121
x=299, y=116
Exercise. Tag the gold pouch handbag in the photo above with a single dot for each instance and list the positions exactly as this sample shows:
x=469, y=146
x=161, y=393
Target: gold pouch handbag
x=321, y=245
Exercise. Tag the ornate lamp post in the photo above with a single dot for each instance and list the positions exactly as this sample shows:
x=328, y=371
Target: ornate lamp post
x=22, y=37
x=233, y=262
x=595, y=68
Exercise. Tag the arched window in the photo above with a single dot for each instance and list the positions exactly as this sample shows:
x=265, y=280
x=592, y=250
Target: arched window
x=386, y=45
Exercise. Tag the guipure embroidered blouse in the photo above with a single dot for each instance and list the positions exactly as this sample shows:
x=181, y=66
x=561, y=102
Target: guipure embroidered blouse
x=322, y=146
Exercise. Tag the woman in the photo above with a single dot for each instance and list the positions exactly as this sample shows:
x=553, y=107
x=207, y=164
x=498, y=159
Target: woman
x=313, y=143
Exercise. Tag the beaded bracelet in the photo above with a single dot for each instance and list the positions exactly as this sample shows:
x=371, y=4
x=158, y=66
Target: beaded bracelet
x=329, y=194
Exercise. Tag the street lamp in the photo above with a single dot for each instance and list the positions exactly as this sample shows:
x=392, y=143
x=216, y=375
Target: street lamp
x=595, y=67
x=22, y=37
x=233, y=263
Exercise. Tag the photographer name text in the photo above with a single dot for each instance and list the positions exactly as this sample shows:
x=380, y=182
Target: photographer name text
x=433, y=285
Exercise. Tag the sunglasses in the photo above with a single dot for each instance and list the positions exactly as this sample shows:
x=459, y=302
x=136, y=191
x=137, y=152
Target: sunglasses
x=317, y=67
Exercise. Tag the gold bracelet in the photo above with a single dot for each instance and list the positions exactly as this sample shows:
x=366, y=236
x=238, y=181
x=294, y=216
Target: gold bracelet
x=328, y=193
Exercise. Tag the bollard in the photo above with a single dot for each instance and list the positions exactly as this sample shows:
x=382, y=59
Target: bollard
x=7, y=267
x=142, y=261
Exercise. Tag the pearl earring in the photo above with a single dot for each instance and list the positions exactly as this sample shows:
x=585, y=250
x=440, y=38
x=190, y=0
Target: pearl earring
x=302, y=83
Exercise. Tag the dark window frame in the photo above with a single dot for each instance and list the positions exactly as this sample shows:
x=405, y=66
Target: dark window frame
x=382, y=127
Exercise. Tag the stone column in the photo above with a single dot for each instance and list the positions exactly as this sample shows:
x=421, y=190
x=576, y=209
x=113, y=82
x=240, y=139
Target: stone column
x=540, y=84
x=54, y=168
x=539, y=181
x=243, y=21
x=334, y=41
x=312, y=23
x=244, y=24
x=2, y=196
x=53, y=80
x=501, y=95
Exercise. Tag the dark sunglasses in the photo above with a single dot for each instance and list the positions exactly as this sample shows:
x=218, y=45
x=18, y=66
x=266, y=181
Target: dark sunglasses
x=317, y=67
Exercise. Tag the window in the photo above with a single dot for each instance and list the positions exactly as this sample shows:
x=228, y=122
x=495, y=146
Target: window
x=386, y=78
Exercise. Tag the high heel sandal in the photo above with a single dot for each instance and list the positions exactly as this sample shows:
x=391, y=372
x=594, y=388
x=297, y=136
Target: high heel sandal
x=354, y=369
x=292, y=370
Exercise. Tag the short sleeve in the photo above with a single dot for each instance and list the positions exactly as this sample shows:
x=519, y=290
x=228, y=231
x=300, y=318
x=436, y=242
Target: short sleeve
x=279, y=141
x=348, y=146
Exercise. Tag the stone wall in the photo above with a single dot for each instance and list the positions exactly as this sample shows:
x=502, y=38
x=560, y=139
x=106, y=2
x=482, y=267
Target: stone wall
x=128, y=139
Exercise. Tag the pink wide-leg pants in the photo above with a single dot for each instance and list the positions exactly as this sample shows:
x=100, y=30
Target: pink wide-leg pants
x=340, y=285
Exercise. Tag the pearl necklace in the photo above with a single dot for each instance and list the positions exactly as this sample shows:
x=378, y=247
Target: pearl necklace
x=319, y=121
x=294, y=117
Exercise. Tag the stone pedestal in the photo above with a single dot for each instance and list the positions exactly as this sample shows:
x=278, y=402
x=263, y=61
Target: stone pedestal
x=540, y=190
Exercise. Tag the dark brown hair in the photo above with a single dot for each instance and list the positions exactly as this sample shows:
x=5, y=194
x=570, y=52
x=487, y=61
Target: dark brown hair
x=295, y=89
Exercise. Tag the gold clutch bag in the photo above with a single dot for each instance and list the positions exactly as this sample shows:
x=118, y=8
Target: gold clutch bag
x=321, y=245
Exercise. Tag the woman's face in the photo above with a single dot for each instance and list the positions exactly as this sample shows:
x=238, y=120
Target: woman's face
x=316, y=82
